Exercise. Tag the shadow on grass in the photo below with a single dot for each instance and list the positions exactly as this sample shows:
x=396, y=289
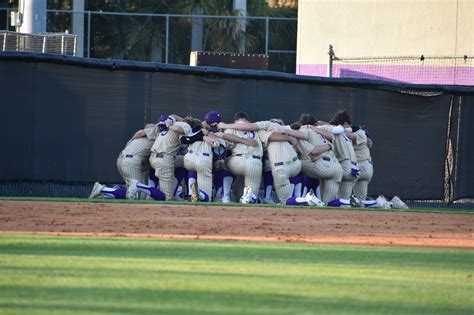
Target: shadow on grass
x=153, y=301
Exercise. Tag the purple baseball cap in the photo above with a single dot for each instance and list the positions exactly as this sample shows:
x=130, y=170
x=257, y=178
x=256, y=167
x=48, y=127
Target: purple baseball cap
x=212, y=117
x=162, y=119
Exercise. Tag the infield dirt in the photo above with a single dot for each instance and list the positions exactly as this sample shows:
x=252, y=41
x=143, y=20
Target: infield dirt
x=324, y=226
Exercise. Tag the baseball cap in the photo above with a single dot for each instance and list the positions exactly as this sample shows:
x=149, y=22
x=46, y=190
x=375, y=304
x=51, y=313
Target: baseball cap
x=212, y=117
x=162, y=119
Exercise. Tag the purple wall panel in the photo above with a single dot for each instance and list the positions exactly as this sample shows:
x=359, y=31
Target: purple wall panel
x=395, y=73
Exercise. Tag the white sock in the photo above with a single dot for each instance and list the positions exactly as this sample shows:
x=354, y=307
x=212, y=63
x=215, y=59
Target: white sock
x=297, y=191
x=190, y=182
x=179, y=191
x=318, y=192
x=219, y=193
x=305, y=191
x=268, y=191
x=227, y=186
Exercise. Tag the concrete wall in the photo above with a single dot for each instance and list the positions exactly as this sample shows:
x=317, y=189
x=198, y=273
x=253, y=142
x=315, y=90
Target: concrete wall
x=363, y=28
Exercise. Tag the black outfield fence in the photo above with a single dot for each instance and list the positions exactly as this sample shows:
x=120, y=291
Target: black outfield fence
x=65, y=119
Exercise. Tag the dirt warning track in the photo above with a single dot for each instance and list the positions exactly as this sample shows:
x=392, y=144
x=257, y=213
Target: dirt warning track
x=325, y=226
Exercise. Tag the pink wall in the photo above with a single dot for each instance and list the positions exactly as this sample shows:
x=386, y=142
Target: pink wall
x=395, y=73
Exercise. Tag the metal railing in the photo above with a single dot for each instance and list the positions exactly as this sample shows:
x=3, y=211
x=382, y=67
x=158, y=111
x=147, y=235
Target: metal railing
x=167, y=37
x=55, y=43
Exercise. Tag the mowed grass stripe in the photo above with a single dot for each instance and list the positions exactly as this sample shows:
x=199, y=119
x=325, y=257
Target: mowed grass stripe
x=71, y=275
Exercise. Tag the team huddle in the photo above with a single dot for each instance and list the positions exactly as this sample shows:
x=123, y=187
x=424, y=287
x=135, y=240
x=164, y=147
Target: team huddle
x=307, y=163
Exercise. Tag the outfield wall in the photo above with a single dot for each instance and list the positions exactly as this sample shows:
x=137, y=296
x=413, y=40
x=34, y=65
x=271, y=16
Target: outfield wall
x=65, y=119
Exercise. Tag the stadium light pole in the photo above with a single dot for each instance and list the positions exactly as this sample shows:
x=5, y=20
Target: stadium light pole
x=78, y=26
x=197, y=30
x=33, y=16
x=240, y=7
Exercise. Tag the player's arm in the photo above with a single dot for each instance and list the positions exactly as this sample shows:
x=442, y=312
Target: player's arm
x=351, y=136
x=321, y=149
x=244, y=126
x=176, y=129
x=235, y=139
x=326, y=134
x=278, y=137
x=290, y=132
x=139, y=134
x=369, y=143
x=177, y=117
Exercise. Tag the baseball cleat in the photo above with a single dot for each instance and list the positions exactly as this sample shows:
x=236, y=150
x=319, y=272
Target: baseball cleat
x=397, y=203
x=382, y=202
x=132, y=189
x=245, y=195
x=268, y=201
x=225, y=199
x=96, y=190
x=248, y=196
x=194, y=193
x=312, y=200
x=355, y=202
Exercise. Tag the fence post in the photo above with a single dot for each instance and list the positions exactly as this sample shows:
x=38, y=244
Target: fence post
x=5, y=41
x=266, y=35
x=167, y=36
x=7, y=27
x=331, y=59
x=88, y=34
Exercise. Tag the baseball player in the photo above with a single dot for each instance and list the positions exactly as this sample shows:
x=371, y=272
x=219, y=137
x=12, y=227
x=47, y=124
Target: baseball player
x=164, y=157
x=296, y=182
x=359, y=140
x=164, y=160
x=198, y=160
x=132, y=164
x=282, y=156
x=211, y=119
x=267, y=180
x=245, y=160
x=223, y=177
x=344, y=153
x=318, y=159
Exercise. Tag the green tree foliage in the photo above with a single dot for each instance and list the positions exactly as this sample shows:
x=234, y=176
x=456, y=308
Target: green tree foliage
x=144, y=37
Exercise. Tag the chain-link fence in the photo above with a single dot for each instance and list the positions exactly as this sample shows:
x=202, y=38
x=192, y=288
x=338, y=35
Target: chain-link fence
x=447, y=70
x=169, y=38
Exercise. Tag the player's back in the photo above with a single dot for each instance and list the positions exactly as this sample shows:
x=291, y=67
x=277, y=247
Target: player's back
x=240, y=148
x=361, y=149
x=167, y=141
x=200, y=148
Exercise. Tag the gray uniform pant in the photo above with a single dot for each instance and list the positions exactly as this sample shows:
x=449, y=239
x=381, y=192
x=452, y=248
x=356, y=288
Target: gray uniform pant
x=248, y=166
x=281, y=178
x=328, y=171
x=348, y=181
x=164, y=165
x=366, y=173
x=202, y=165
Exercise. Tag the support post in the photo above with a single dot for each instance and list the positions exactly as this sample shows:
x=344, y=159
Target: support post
x=78, y=25
x=332, y=56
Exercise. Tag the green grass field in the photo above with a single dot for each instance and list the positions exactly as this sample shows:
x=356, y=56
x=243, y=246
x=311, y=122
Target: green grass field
x=74, y=275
